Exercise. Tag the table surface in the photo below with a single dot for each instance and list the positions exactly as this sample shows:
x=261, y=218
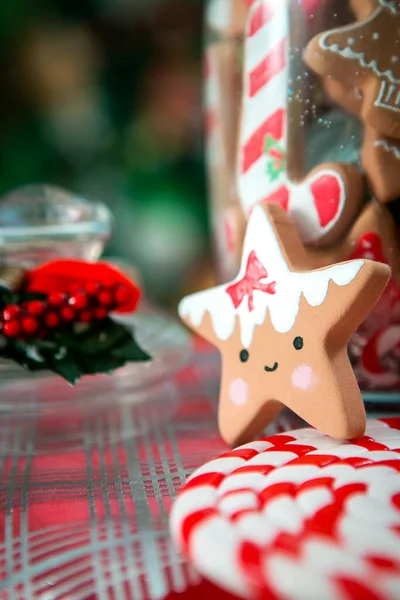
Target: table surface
x=91, y=520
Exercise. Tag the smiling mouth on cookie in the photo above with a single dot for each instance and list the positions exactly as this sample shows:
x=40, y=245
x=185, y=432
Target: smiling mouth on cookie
x=271, y=369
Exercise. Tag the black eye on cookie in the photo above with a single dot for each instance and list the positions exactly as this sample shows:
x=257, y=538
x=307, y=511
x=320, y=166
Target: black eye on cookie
x=244, y=356
x=298, y=343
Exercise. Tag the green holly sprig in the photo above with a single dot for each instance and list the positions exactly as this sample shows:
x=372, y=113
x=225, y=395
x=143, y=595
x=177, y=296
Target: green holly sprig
x=73, y=350
x=275, y=152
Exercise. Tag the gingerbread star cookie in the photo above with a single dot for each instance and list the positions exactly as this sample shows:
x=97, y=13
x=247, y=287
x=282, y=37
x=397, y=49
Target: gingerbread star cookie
x=283, y=333
x=366, y=54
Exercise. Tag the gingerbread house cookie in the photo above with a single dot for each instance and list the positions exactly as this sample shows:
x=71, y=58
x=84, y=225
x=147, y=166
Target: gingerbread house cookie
x=366, y=54
x=381, y=161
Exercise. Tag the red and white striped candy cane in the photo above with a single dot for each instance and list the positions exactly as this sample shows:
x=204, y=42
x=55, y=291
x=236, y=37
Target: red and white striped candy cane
x=318, y=204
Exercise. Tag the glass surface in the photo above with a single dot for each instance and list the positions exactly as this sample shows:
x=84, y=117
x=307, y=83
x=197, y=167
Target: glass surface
x=60, y=410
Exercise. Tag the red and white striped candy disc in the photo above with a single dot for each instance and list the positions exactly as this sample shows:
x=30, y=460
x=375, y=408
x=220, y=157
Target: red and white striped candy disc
x=298, y=516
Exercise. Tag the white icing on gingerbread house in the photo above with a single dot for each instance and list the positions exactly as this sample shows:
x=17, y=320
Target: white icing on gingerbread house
x=391, y=5
x=392, y=148
x=343, y=41
x=284, y=288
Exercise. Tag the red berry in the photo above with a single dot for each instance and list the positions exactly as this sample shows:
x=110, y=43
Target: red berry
x=56, y=298
x=108, y=283
x=85, y=316
x=35, y=307
x=11, y=312
x=67, y=313
x=75, y=287
x=78, y=300
x=105, y=298
x=11, y=329
x=29, y=325
x=52, y=320
x=92, y=288
x=121, y=295
x=100, y=313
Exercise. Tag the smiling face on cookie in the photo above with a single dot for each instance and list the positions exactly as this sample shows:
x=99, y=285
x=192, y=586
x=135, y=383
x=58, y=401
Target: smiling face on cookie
x=292, y=369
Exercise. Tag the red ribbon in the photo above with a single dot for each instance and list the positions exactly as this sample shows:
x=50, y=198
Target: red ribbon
x=255, y=271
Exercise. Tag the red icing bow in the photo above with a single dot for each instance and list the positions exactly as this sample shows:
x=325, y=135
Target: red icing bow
x=255, y=271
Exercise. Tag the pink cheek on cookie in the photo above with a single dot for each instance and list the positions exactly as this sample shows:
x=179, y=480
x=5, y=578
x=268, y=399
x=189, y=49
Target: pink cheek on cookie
x=303, y=378
x=238, y=392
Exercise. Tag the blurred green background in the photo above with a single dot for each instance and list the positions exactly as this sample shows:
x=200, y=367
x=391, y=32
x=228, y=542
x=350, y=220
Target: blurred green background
x=104, y=98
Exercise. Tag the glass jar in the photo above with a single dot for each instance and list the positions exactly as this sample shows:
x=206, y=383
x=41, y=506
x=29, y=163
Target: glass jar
x=302, y=104
x=39, y=223
x=223, y=83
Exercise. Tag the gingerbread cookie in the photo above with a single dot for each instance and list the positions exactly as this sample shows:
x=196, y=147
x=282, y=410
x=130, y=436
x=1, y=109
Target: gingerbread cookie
x=366, y=54
x=283, y=333
x=381, y=161
x=323, y=204
x=374, y=236
x=347, y=97
x=364, y=8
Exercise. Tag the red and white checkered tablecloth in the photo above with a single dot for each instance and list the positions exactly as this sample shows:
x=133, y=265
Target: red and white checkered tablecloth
x=91, y=521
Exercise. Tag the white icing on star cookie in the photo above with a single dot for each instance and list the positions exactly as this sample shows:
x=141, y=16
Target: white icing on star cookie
x=283, y=305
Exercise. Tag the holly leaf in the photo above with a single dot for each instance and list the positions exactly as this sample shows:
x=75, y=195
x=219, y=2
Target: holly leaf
x=94, y=338
x=99, y=347
x=273, y=173
x=105, y=336
x=8, y=296
x=131, y=351
x=68, y=368
x=270, y=143
x=20, y=297
x=102, y=363
x=16, y=352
